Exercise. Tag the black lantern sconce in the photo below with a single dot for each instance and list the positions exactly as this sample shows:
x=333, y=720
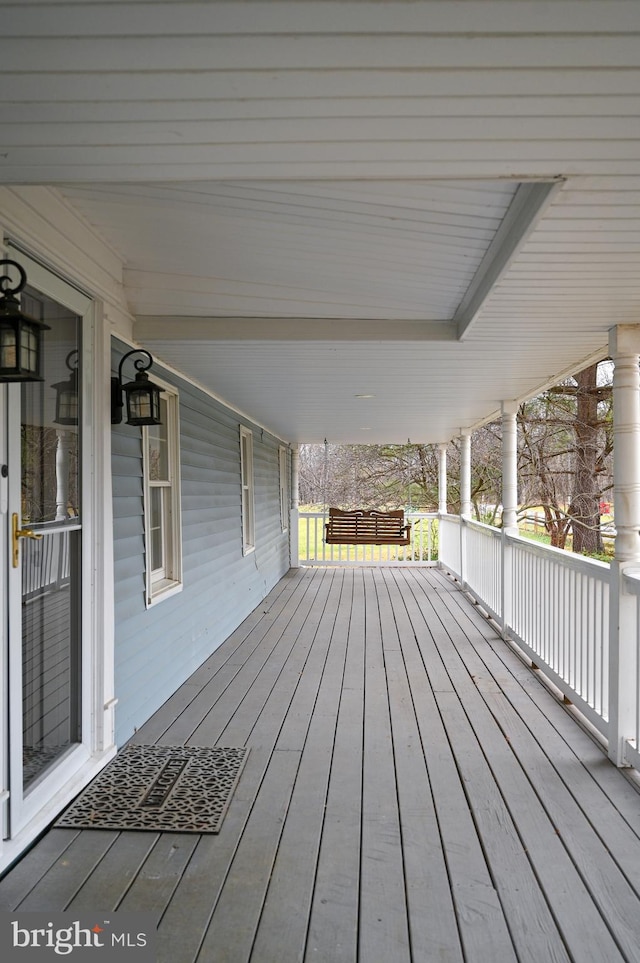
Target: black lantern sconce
x=142, y=396
x=20, y=335
x=67, y=394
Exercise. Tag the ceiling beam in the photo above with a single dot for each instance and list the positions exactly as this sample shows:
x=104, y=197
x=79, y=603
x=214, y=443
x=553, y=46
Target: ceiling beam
x=526, y=208
x=289, y=329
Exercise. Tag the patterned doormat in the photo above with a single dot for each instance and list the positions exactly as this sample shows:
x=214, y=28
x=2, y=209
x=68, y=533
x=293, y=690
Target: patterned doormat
x=183, y=789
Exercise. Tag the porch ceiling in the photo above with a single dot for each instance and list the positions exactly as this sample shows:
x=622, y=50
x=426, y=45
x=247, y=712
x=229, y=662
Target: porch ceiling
x=308, y=196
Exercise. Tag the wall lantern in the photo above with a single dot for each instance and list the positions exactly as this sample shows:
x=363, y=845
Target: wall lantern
x=67, y=394
x=142, y=397
x=20, y=335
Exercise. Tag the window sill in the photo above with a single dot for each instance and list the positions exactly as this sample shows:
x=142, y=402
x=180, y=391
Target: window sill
x=163, y=590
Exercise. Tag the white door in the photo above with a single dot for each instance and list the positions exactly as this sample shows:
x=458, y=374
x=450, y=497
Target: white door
x=45, y=583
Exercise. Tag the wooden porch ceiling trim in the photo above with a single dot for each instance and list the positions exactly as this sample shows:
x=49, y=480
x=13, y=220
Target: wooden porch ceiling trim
x=289, y=329
x=526, y=208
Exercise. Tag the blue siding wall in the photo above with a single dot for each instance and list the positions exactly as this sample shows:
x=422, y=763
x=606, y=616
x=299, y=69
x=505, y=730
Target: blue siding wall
x=156, y=649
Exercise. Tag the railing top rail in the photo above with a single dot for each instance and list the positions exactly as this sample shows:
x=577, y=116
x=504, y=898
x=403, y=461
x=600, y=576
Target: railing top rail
x=482, y=527
x=578, y=562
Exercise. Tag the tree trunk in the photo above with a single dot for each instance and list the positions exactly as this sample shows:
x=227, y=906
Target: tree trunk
x=585, y=502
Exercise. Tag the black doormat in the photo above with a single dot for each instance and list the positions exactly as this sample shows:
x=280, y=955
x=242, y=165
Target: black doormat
x=180, y=789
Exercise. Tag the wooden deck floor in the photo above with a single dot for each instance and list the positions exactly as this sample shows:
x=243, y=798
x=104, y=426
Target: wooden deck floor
x=412, y=793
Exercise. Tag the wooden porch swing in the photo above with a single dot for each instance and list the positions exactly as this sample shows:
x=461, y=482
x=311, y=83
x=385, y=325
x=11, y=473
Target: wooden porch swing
x=359, y=527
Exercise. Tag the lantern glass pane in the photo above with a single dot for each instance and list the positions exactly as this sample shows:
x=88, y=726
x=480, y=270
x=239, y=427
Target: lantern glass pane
x=8, y=354
x=139, y=404
x=143, y=403
x=67, y=413
x=28, y=349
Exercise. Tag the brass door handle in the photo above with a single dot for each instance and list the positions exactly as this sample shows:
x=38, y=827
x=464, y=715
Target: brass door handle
x=19, y=533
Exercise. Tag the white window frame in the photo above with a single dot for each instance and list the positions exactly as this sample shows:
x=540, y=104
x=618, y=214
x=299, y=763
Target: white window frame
x=284, y=488
x=165, y=582
x=247, y=488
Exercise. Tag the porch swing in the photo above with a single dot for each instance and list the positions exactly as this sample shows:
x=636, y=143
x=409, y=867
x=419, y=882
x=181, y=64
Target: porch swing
x=361, y=527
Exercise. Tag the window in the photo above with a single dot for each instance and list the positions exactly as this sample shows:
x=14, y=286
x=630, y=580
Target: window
x=284, y=489
x=163, y=536
x=246, y=471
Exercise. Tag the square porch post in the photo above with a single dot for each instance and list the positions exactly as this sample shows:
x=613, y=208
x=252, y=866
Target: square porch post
x=509, y=506
x=465, y=499
x=294, y=527
x=442, y=478
x=442, y=508
x=624, y=349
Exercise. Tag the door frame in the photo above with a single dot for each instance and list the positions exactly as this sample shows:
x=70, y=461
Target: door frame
x=25, y=815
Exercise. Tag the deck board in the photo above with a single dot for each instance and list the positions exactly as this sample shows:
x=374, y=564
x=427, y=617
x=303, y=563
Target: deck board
x=384, y=933
x=483, y=930
x=333, y=921
x=286, y=910
x=106, y=887
x=413, y=792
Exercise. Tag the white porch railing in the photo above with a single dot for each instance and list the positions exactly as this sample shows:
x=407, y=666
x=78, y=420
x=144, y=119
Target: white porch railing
x=553, y=604
x=560, y=617
x=46, y=563
x=423, y=550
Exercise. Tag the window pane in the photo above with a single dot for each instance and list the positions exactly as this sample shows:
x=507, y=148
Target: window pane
x=245, y=460
x=50, y=451
x=155, y=529
x=158, y=436
x=51, y=649
x=51, y=567
x=163, y=569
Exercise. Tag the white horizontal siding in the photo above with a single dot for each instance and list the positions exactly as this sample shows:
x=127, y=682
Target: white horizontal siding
x=399, y=49
x=428, y=104
x=381, y=129
x=87, y=18
x=141, y=91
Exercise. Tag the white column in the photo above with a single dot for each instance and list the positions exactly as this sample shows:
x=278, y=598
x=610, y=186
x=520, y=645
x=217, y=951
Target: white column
x=465, y=501
x=509, y=467
x=624, y=349
x=62, y=474
x=465, y=474
x=509, y=509
x=442, y=478
x=294, y=546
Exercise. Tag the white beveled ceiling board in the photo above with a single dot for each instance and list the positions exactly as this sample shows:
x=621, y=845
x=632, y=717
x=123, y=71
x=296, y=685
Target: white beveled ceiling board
x=305, y=392
x=299, y=249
